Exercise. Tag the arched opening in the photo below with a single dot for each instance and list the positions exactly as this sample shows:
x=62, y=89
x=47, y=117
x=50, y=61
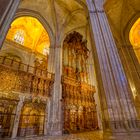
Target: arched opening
x=29, y=38
x=24, y=72
x=30, y=33
x=32, y=119
x=78, y=93
x=134, y=37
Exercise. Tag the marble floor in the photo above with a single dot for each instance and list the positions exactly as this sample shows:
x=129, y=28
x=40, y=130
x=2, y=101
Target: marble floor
x=81, y=136
x=96, y=135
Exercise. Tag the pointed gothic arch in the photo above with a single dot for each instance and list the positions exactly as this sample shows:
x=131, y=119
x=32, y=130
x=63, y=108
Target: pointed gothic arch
x=26, y=12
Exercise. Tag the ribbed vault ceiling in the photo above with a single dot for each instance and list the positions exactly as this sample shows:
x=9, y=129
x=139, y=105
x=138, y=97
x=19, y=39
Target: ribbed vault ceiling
x=120, y=13
x=63, y=16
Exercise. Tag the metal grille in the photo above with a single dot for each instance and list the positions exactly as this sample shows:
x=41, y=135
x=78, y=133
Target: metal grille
x=31, y=125
x=6, y=124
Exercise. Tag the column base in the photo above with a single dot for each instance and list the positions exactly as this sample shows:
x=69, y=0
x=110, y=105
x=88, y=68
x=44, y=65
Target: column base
x=55, y=133
x=54, y=129
x=135, y=135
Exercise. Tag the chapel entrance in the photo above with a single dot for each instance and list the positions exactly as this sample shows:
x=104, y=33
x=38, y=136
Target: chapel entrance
x=32, y=120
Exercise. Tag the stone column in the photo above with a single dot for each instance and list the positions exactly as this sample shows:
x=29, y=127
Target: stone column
x=17, y=117
x=51, y=59
x=55, y=109
x=118, y=110
x=7, y=12
x=132, y=69
x=46, y=119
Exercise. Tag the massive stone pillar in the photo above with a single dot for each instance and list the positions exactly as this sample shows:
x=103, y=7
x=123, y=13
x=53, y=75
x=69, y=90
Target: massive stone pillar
x=132, y=69
x=55, y=101
x=119, y=114
x=17, y=117
x=7, y=12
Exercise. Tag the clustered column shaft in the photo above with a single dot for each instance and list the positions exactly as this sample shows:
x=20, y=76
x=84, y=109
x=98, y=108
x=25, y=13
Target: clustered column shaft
x=120, y=105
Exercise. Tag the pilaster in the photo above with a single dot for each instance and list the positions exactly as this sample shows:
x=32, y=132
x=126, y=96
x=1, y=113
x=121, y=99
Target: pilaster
x=54, y=104
x=17, y=117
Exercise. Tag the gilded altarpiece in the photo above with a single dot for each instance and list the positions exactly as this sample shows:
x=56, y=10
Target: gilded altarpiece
x=20, y=80
x=32, y=119
x=79, y=106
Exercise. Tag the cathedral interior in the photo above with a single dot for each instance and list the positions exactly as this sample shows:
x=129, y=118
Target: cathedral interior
x=70, y=69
